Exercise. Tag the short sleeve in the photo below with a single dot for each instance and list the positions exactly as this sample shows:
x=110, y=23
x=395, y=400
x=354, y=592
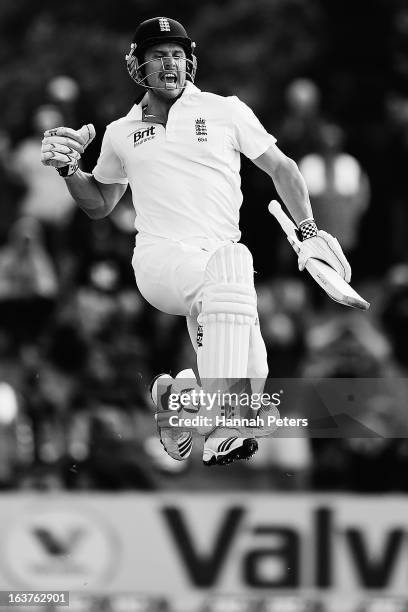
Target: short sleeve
x=249, y=135
x=109, y=167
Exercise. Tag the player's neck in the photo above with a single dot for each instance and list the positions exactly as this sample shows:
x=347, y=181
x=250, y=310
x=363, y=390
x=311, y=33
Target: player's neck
x=157, y=109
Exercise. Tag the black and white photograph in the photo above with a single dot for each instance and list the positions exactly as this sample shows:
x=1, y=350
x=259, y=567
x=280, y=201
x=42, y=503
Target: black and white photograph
x=204, y=306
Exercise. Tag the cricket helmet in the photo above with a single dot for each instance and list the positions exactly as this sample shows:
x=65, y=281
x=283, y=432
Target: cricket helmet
x=152, y=32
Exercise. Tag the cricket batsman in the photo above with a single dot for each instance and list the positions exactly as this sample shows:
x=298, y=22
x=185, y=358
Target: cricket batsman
x=179, y=149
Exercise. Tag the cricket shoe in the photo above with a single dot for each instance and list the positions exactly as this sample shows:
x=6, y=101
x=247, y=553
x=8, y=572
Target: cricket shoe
x=176, y=442
x=220, y=449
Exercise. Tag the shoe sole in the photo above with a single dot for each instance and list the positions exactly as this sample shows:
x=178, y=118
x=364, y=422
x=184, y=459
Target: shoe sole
x=177, y=458
x=246, y=451
x=152, y=384
x=151, y=396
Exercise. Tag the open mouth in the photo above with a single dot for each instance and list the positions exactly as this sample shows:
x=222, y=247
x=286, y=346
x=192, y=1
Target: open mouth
x=169, y=78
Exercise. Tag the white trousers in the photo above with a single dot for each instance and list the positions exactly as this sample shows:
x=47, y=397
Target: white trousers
x=170, y=275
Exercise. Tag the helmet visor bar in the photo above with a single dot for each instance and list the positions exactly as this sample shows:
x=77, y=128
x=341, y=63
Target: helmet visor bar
x=177, y=65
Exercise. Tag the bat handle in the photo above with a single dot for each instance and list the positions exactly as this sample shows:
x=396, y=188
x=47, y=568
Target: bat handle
x=285, y=222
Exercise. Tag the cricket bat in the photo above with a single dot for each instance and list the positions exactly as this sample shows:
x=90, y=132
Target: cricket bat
x=324, y=275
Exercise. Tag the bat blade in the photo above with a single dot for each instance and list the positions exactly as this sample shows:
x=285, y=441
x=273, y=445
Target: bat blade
x=332, y=283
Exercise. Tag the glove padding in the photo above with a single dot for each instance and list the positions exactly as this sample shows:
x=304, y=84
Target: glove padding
x=325, y=247
x=63, y=146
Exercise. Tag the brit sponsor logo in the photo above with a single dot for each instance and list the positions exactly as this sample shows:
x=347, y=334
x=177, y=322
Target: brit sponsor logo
x=201, y=129
x=144, y=135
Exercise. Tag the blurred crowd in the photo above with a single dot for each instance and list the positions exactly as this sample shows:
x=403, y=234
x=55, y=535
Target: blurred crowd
x=79, y=345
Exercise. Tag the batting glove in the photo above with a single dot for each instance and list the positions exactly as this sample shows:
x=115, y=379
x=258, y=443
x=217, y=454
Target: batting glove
x=322, y=246
x=62, y=147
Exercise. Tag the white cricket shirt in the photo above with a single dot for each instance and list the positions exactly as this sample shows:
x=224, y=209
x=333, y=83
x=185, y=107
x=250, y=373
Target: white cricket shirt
x=184, y=176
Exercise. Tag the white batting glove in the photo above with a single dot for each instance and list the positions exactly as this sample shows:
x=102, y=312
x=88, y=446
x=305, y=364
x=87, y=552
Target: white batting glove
x=325, y=247
x=62, y=147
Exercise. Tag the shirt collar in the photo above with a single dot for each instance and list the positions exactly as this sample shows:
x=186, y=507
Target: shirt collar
x=135, y=112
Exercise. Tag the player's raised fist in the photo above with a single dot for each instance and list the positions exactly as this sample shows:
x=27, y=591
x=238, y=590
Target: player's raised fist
x=62, y=147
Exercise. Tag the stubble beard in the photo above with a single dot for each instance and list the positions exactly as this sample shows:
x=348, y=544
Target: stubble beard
x=169, y=95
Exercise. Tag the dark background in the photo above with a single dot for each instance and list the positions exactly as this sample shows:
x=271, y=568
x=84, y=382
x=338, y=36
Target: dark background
x=77, y=357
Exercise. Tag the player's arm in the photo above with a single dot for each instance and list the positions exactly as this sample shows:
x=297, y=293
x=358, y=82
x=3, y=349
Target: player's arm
x=95, y=198
x=288, y=181
x=291, y=187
